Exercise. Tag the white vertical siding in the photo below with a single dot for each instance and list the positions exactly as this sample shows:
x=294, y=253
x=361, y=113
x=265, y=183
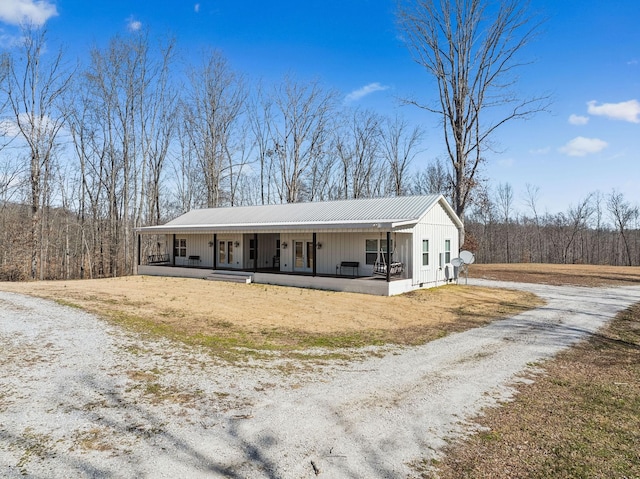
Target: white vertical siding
x=436, y=226
x=197, y=245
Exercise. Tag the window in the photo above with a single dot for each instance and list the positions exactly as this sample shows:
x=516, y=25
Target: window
x=252, y=249
x=277, y=248
x=372, y=249
x=425, y=252
x=230, y=251
x=181, y=247
x=447, y=251
x=222, y=252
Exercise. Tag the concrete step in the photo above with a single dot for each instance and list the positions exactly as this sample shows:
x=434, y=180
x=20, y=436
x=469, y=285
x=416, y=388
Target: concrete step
x=230, y=277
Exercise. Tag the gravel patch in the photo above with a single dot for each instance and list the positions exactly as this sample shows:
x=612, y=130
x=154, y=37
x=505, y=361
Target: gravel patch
x=81, y=398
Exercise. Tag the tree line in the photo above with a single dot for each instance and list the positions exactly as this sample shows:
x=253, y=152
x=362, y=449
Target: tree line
x=507, y=228
x=134, y=137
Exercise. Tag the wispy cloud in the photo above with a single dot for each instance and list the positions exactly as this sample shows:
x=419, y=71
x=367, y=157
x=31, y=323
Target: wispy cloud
x=133, y=25
x=578, y=120
x=9, y=41
x=581, y=146
x=364, y=91
x=196, y=8
x=625, y=111
x=34, y=12
x=541, y=151
x=633, y=62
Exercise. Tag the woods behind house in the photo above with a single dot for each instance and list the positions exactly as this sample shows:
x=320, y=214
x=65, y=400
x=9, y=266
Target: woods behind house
x=137, y=136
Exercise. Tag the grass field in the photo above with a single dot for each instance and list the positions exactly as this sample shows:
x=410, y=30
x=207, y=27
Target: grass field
x=225, y=316
x=580, y=419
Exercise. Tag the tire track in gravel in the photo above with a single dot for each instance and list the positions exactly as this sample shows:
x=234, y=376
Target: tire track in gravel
x=81, y=398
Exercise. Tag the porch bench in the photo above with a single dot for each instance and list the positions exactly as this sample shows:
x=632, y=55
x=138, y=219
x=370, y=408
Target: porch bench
x=353, y=265
x=194, y=260
x=157, y=258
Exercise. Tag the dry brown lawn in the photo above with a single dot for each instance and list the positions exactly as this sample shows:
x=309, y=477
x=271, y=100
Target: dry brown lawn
x=263, y=316
x=579, y=420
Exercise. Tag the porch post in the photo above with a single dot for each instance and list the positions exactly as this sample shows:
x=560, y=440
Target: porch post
x=215, y=250
x=315, y=248
x=173, y=256
x=388, y=256
x=139, y=252
x=255, y=252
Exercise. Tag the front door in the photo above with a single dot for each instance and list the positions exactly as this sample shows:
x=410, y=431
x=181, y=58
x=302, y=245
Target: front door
x=303, y=256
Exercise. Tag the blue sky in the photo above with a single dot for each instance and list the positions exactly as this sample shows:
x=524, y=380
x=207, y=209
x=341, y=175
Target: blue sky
x=587, y=57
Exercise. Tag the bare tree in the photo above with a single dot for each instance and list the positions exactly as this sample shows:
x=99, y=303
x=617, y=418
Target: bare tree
x=299, y=133
x=471, y=49
x=357, y=145
x=434, y=179
x=214, y=103
x=505, y=205
x=400, y=145
x=260, y=119
x=34, y=88
x=621, y=213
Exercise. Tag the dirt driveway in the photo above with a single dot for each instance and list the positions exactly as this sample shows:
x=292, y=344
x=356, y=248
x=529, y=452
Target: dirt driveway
x=80, y=398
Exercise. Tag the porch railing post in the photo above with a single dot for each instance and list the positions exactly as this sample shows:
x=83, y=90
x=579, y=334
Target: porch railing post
x=215, y=251
x=255, y=252
x=388, y=256
x=315, y=248
x=173, y=256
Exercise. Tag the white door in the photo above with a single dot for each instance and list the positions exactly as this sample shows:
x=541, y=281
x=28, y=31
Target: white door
x=302, y=255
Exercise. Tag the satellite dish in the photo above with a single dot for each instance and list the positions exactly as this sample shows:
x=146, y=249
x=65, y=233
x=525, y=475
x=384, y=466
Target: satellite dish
x=467, y=257
x=457, y=262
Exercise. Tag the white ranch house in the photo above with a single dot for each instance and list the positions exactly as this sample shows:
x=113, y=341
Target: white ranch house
x=381, y=246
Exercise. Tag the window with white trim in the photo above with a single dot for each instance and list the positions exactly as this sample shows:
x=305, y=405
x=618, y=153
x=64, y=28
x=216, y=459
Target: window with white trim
x=425, y=252
x=447, y=251
x=181, y=247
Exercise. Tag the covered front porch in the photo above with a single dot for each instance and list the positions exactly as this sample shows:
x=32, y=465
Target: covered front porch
x=327, y=254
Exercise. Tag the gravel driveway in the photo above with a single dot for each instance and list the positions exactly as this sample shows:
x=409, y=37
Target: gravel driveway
x=80, y=398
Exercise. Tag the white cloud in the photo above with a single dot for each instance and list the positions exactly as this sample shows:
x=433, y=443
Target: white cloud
x=581, y=146
x=626, y=110
x=632, y=62
x=196, y=8
x=134, y=25
x=364, y=91
x=578, y=120
x=34, y=12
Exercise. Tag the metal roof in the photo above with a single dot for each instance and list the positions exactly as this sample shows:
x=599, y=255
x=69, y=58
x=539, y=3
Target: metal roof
x=368, y=213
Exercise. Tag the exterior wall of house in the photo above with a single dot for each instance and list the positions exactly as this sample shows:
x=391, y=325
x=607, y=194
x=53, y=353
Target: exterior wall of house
x=198, y=245
x=338, y=247
x=436, y=227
